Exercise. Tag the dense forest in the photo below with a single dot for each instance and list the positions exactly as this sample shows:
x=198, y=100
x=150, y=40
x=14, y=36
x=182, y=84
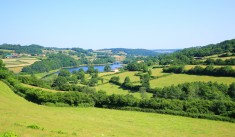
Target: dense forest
x=210, y=70
x=136, y=52
x=30, y=49
x=54, y=61
x=81, y=51
x=186, y=56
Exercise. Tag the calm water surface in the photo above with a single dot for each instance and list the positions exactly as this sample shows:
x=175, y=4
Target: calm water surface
x=99, y=67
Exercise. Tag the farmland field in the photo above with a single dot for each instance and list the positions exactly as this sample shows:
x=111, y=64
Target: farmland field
x=16, y=64
x=187, y=67
x=20, y=116
x=182, y=78
x=101, y=74
x=114, y=89
x=167, y=80
x=122, y=76
x=157, y=72
x=216, y=56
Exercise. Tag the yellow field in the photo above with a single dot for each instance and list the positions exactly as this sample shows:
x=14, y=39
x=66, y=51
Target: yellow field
x=16, y=64
x=7, y=51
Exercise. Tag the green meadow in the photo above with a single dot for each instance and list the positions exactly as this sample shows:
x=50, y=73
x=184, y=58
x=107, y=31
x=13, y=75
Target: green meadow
x=123, y=75
x=175, y=79
x=25, y=119
x=114, y=89
x=165, y=79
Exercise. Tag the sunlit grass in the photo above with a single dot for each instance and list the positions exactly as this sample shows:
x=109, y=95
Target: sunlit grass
x=176, y=79
x=16, y=64
x=114, y=89
x=187, y=67
x=19, y=115
x=123, y=75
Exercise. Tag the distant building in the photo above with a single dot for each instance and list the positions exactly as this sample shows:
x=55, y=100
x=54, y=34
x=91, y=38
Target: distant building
x=116, y=70
x=140, y=61
x=42, y=55
x=198, y=58
x=12, y=55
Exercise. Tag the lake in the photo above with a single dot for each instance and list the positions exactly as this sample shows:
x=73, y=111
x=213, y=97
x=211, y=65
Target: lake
x=99, y=67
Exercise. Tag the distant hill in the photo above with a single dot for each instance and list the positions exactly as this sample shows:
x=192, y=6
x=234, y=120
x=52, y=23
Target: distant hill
x=211, y=49
x=30, y=49
x=165, y=50
x=136, y=52
x=187, y=55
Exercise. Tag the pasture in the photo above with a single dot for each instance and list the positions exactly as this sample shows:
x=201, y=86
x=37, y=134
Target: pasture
x=168, y=80
x=216, y=56
x=157, y=72
x=24, y=119
x=114, y=89
x=123, y=75
x=176, y=79
x=16, y=64
x=187, y=67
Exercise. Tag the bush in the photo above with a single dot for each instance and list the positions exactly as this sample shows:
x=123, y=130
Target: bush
x=8, y=134
x=33, y=126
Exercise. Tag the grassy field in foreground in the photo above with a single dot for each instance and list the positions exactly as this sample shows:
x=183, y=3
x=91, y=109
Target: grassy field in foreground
x=182, y=78
x=20, y=116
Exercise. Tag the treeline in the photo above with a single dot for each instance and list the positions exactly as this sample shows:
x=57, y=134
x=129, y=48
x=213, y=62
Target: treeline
x=65, y=81
x=186, y=56
x=54, y=61
x=127, y=84
x=210, y=109
x=230, y=61
x=202, y=100
x=134, y=66
x=104, y=60
x=81, y=51
x=211, y=49
x=30, y=49
x=197, y=90
x=136, y=52
x=149, y=60
x=210, y=70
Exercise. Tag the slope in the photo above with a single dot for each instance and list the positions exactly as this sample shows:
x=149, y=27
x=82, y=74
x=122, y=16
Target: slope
x=27, y=119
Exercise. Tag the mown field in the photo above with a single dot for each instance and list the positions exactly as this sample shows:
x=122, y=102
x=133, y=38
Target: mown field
x=170, y=79
x=27, y=119
x=16, y=64
x=175, y=79
x=114, y=89
x=123, y=75
x=187, y=67
x=216, y=56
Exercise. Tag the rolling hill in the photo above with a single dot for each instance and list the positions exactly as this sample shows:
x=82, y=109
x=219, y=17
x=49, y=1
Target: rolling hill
x=24, y=118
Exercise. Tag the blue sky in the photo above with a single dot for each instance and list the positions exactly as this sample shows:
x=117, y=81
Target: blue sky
x=96, y=24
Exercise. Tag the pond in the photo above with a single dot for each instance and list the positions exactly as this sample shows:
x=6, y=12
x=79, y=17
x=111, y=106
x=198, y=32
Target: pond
x=99, y=67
